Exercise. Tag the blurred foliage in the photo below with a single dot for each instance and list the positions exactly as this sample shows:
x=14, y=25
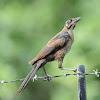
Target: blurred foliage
x=27, y=25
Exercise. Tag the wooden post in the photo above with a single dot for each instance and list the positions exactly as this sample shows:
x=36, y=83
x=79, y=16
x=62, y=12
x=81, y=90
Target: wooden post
x=81, y=82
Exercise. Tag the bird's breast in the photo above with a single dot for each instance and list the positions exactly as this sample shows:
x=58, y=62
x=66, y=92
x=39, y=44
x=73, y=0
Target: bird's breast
x=62, y=52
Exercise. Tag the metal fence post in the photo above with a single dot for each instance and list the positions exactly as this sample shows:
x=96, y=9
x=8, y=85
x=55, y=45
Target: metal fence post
x=81, y=82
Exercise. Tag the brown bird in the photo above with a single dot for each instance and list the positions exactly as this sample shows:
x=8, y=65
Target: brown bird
x=55, y=49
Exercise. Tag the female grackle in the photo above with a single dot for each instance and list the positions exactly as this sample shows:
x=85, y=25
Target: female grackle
x=55, y=49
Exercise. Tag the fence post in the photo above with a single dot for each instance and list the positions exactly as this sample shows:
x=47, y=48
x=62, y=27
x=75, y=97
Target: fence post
x=81, y=82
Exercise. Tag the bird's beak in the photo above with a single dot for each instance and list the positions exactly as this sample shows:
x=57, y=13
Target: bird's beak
x=76, y=19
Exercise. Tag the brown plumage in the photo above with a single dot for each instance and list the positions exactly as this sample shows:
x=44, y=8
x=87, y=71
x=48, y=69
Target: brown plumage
x=55, y=49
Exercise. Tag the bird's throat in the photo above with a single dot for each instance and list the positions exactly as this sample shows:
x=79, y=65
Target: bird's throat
x=70, y=32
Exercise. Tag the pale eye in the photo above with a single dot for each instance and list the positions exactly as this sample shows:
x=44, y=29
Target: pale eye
x=71, y=20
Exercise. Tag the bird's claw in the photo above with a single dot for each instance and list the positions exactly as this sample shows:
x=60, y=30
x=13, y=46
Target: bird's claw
x=75, y=70
x=47, y=78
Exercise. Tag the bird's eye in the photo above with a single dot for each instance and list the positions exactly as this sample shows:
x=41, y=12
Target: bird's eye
x=70, y=20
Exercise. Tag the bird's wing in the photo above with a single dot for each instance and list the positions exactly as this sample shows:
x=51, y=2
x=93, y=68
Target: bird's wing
x=53, y=44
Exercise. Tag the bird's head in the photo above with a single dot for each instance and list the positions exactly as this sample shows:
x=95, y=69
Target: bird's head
x=70, y=24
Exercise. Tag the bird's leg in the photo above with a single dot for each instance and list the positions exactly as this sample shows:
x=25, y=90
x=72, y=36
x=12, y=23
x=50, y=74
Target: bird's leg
x=60, y=61
x=61, y=67
x=48, y=77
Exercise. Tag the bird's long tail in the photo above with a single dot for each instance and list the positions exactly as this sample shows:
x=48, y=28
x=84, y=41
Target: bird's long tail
x=29, y=76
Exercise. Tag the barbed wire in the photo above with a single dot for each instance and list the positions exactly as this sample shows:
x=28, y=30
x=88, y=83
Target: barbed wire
x=95, y=72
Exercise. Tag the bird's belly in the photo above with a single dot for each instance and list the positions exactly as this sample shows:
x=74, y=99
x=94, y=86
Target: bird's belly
x=62, y=52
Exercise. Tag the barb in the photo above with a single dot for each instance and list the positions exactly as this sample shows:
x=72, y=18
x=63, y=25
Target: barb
x=44, y=77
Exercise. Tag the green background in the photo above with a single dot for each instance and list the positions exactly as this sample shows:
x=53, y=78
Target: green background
x=27, y=25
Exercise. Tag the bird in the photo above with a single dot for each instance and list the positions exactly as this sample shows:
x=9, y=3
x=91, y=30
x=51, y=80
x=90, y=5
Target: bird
x=55, y=49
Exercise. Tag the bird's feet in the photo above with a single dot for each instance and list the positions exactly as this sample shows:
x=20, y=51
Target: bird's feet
x=47, y=78
x=74, y=70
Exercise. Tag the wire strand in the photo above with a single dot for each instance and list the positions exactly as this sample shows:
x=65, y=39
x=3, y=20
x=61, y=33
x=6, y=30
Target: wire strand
x=44, y=77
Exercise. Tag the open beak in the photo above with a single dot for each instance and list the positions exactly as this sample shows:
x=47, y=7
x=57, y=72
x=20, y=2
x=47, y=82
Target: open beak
x=76, y=19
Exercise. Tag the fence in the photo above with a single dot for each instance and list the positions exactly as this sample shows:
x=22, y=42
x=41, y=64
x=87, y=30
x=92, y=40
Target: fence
x=80, y=76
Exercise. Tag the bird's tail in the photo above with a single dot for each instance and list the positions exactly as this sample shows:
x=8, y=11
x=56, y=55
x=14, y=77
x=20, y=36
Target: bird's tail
x=29, y=77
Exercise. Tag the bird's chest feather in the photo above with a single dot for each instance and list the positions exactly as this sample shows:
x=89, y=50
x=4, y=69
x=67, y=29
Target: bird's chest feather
x=62, y=52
